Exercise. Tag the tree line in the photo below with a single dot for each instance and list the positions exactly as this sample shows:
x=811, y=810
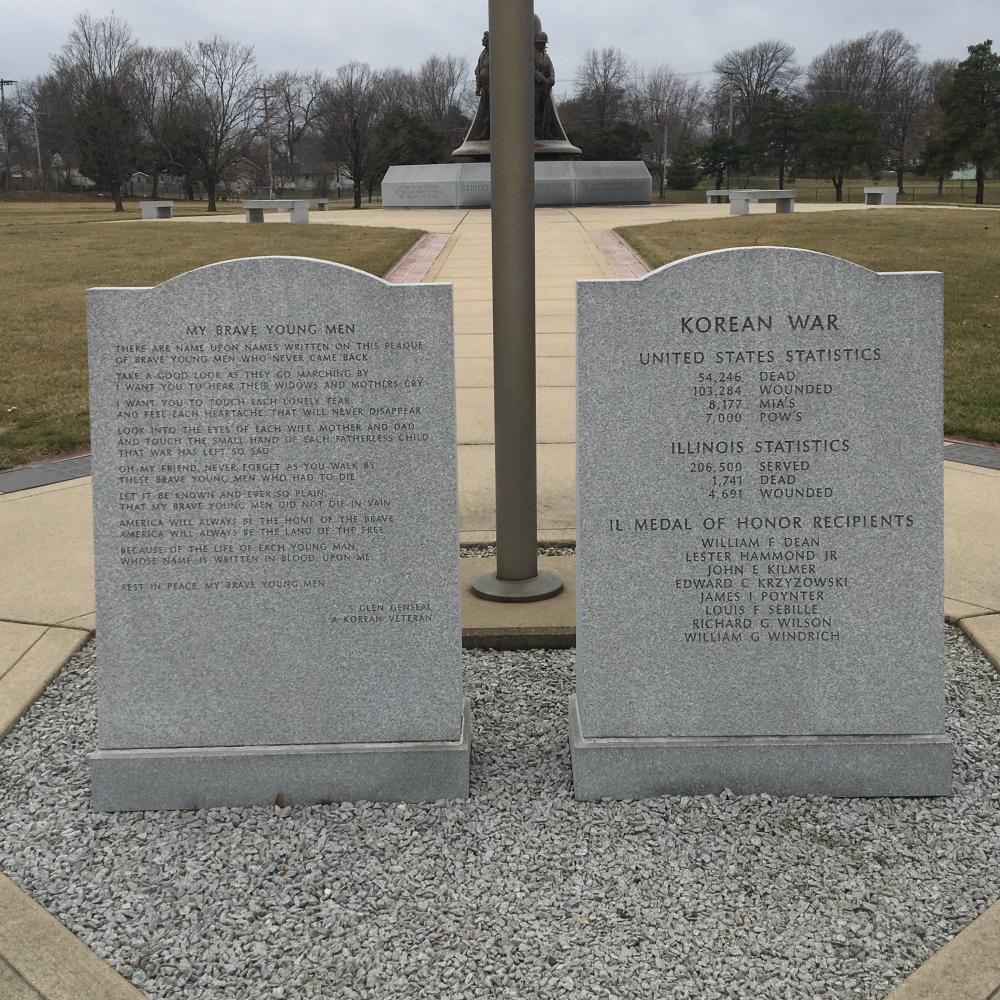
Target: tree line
x=205, y=115
x=868, y=102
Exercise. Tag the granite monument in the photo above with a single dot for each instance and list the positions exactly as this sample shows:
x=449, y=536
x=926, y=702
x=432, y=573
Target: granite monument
x=276, y=528
x=557, y=182
x=760, y=542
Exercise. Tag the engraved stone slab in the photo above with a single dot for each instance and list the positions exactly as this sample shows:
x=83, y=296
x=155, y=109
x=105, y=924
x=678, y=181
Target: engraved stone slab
x=612, y=182
x=276, y=529
x=426, y=185
x=557, y=182
x=760, y=540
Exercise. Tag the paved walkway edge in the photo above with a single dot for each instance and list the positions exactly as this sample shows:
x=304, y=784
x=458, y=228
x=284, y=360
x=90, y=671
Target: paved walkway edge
x=984, y=631
x=981, y=625
x=49, y=961
x=30, y=675
x=966, y=968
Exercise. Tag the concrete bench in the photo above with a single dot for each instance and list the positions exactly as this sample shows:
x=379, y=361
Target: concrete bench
x=157, y=209
x=740, y=199
x=880, y=195
x=322, y=204
x=298, y=209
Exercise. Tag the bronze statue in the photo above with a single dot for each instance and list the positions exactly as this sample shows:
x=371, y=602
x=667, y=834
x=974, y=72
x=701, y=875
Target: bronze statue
x=550, y=137
x=546, y=121
x=480, y=130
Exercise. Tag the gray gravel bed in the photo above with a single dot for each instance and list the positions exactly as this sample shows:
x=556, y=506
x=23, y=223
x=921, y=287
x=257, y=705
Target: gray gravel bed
x=488, y=551
x=520, y=892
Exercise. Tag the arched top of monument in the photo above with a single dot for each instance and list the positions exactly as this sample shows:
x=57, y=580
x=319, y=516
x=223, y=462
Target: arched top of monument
x=755, y=257
x=274, y=267
x=766, y=273
x=279, y=286
x=778, y=257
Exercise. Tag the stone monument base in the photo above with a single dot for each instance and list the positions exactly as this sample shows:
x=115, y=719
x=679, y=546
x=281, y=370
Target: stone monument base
x=209, y=777
x=842, y=766
x=557, y=182
x=478, y=150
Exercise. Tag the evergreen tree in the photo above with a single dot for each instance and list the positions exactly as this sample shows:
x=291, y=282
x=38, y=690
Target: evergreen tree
x=937, y=161
x=683, y=173
x=402, y=136
x=775, y=132
x=840, y=137
x=971, y=103
x=107, y=140
x=722, y=154
x=623, y=141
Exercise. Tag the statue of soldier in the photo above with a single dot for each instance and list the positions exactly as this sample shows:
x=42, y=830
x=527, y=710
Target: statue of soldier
x=481, y=125
x=550, y=138
x=545, y=79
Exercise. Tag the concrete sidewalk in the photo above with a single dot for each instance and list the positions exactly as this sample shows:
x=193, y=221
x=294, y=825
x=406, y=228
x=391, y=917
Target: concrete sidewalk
x=46, y=589
x=47, y=571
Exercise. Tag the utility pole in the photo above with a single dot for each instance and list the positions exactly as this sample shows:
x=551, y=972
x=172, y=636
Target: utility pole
x=3, y=114
x=512, y=169
x=731, y=99
x=267, y=129
x=38, y=149
x=663, y=175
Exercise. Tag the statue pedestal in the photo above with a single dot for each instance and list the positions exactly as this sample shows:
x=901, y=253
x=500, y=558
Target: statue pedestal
x=478, y=150
x=557, y=182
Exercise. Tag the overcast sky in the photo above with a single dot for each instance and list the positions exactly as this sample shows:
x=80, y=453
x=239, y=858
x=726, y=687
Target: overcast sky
x=688, y=35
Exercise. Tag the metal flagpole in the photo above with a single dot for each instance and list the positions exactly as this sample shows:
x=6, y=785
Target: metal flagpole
x=512, y=156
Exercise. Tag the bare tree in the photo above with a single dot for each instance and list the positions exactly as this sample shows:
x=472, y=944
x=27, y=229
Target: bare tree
x=902, y=118
x=844, y=72
x=224, y=107
x=441, y=94
x=15, y=128
x=51, y=99
x=399, y=88
x=669, y=107
x=351, y=115
x=97, y=66
x=99, y=52
x=296, y=99
x=936, y=157
x=881, y=72
x=161, y=96
x=602, y=86
x=748, y=74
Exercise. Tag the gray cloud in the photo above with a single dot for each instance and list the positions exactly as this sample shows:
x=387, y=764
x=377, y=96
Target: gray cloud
x=688, y=35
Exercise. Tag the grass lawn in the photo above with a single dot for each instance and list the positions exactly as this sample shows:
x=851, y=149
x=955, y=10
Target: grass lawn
x=52, y=252
x=916, y=190
x=965, y=245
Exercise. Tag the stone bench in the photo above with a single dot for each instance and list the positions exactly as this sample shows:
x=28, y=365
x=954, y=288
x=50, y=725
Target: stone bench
x=880, y=195
x=298, y=209
x=157, y=209
x=322, y=204
x=740, y=199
